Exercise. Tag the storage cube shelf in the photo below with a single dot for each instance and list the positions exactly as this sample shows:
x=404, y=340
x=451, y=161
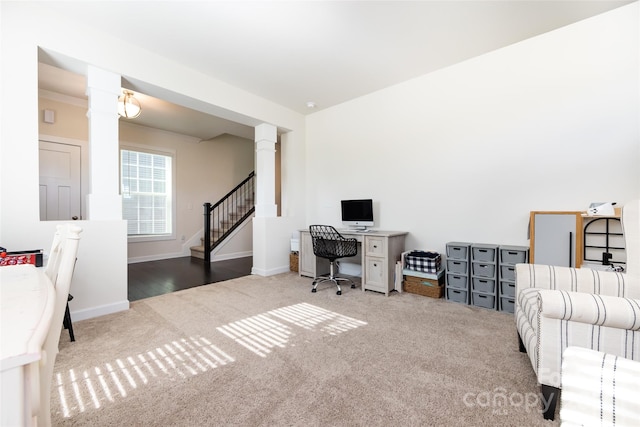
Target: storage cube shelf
x=483, y=275
x=509, y=257
x=457, y=283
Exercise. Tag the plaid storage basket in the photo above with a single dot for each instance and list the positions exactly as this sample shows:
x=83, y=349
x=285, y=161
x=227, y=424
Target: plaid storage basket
x=425, y=261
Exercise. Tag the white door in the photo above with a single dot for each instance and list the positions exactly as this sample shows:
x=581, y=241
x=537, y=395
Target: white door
x=59, y=181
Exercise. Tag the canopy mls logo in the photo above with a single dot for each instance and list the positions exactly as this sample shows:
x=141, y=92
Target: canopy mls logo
x=499, y=401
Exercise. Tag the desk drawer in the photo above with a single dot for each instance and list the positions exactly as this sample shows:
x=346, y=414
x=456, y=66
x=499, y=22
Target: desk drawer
x=375, y=246
x=375, y=274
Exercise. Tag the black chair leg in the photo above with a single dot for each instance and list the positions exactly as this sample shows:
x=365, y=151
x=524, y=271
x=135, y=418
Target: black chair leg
x=522, y=348
x=550, y=397
x=67, y=320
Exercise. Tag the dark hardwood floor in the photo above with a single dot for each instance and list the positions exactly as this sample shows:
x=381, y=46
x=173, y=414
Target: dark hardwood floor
x=152, y=278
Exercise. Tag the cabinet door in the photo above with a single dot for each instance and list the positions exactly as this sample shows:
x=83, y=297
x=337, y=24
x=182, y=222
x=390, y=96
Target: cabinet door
x=556, y=238
x=375, y=274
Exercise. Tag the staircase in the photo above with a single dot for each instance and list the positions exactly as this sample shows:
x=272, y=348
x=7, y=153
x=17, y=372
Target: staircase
x=223, y=217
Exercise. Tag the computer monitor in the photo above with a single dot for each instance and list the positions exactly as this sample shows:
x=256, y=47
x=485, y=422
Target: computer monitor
x=357, y=214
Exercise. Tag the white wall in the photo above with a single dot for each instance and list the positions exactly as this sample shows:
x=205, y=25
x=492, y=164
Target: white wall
x=70, y=116
x=465, y=153
x=27, y=26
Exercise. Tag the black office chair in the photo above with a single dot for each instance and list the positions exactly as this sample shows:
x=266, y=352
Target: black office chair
x=330, y=244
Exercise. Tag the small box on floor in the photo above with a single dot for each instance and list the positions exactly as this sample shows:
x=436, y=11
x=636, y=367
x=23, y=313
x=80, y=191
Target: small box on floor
x=426, y=284
x=293, y=261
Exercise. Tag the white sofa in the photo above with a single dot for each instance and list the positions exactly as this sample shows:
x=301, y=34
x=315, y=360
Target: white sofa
x=557, y=307
x=599, y=389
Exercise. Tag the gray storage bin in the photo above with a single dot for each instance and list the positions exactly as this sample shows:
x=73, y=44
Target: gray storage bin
x=457, y=295
x=514, y=254
x=487, y=286
x=458, y=250
x=483, y=300
x=457, y=281
x=485, y=253
x=483, y=270
x=507, y=289
x=507, y=304
x=508, y=272
x=458, y=267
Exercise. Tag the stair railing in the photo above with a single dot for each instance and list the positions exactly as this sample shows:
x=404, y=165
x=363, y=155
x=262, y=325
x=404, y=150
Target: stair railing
x=227, y=212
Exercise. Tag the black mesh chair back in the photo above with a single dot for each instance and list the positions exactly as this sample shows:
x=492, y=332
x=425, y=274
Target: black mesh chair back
x=330, y=244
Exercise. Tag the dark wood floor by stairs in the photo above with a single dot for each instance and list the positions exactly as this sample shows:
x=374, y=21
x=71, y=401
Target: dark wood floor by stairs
x=152, y=278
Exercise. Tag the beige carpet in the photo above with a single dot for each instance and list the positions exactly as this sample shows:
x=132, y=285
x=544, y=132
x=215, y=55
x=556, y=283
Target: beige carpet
x=261, y=351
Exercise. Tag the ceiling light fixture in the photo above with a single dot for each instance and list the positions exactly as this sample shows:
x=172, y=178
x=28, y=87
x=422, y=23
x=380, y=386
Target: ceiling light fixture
x=128, y=105
x=311, y=104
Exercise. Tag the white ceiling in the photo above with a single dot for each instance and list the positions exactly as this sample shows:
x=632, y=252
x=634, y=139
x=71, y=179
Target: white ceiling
x=327, y=52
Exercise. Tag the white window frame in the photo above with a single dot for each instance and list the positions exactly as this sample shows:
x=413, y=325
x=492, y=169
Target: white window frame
x=172, y=210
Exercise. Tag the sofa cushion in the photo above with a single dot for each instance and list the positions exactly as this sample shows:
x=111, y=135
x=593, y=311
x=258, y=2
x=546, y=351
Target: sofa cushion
x=599, y=389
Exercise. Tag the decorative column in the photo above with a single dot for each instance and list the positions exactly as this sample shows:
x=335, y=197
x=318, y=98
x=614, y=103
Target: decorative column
x=103, y=201
x=266, y=137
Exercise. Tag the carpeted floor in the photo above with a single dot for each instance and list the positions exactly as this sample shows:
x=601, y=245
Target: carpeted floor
x=258, y=351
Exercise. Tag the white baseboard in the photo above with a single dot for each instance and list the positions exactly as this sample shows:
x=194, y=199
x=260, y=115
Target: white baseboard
x=270, y=272
x=155, y=257
x=90, y=313
x=235, y=255
x=179, y=255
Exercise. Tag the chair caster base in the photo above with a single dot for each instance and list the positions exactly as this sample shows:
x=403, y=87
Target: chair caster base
x=339, y=293
x=353, y=286
x=313, y=290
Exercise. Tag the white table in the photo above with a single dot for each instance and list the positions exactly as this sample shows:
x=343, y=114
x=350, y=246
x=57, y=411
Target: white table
x=27, y=299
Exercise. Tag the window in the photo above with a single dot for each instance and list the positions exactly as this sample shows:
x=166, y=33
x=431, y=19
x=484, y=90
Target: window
x=147, y=194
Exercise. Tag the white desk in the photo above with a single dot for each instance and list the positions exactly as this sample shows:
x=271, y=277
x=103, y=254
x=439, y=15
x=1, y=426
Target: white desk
x=378, y=251
x=27, y=299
